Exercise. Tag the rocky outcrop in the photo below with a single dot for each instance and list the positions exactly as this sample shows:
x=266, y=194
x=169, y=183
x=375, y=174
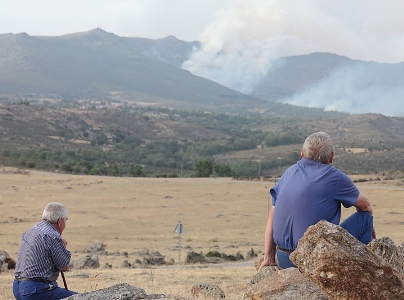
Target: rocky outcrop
x=193, y=257
x=284, y=284
x=207, y=291
x=344, y=268
x=121, y=291
x=86, y=262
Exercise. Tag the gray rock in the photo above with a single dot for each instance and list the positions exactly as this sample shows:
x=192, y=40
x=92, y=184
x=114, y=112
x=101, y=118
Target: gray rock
x=86, y=262
x=343, y=267
x=207, y=290
x=284, y=284
x=264, y=272
x=392, y=254
x=193, y=257
x=6, y=262
x=122, y=291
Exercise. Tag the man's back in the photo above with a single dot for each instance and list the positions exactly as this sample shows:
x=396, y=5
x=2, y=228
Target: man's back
x=308, y=192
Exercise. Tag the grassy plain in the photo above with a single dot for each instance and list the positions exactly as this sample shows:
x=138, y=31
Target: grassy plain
x=131, y=214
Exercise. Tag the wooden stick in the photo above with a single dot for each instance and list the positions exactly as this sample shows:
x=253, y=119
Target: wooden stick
x=64, y=280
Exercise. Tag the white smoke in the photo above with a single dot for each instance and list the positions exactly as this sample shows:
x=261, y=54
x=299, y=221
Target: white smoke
x=239, y=48
x=357, y=88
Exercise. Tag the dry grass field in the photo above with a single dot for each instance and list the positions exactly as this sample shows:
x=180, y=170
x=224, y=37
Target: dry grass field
x=130, y=214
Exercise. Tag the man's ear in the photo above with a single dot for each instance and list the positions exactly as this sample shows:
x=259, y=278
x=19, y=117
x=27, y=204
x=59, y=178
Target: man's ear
x=332, y=158
x=301, y=153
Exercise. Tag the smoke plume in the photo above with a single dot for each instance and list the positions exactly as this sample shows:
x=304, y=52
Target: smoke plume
x=239, y=48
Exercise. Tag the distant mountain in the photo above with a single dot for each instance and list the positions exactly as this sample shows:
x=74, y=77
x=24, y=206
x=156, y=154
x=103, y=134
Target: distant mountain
x=101, y=65
x=335, y=82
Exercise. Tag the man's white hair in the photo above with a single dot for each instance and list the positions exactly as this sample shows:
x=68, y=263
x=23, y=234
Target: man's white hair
x=319, y=147
x=54, y=211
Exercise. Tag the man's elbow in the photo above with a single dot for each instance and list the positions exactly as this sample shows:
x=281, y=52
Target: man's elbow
x=64, y=269
x=363, y=204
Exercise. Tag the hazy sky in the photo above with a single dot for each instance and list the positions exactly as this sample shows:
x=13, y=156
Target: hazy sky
x=185, y=19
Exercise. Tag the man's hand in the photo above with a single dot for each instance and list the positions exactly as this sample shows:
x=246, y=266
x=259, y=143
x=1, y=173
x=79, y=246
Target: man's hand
x=64, y=242
x=373, y=233
x=267, y=263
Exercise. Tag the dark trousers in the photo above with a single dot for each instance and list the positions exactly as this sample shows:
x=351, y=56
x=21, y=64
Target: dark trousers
x=35, y=290
x=359, y=224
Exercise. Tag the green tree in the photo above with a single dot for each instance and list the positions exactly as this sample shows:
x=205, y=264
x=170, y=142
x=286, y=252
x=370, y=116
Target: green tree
x=203, y=168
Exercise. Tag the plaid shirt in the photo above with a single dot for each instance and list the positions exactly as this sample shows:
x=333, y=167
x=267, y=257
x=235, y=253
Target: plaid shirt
x=42, y=253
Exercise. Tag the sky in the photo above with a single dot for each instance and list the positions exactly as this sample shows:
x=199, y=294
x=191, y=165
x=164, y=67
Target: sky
x=241, y=39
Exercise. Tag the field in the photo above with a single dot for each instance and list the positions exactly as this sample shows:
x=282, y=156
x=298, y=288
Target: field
x=131, y=214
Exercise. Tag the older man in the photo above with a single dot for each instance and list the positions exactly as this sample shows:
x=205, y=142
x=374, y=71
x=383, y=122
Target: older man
x=42, y=256
x=310, y=191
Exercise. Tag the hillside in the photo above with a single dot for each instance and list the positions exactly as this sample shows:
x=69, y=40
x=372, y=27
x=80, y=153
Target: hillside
x=166, y=141
x=102, y=66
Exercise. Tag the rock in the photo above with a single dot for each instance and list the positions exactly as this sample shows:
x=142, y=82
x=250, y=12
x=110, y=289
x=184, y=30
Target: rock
x=264, y=272
x=154, y=259
x=126, y=264
x=207, y=290
x=86, y=262
x=284, y=284
x=6, y=262
x=343, y=267
x=122, y=291
x=193, y=257
x=96, y=247
x=392, y=254
x=251, y=254
x=107, y=266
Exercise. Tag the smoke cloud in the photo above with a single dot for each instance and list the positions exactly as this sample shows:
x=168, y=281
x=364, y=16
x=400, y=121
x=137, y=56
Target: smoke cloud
x=239, y=48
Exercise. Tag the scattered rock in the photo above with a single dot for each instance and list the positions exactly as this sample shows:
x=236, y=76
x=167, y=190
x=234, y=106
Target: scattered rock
x=207, y=290
x=86, y=262
x=264, y=272
x=251, y=254
x=193, y=257
x=284, y=284
x=6, y=262
x=121, y=291
x=343, y=267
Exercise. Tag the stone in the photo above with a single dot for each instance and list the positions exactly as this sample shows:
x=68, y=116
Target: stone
x=96, y=247
x=6, y=262
x=207, y=290
x=388, y=250
x=284, y=284
x=122, y=291
x=154, y=259
x=251, y=254
x=193, y=257
x=264, y=272
x=343, y=267
x=86, y=262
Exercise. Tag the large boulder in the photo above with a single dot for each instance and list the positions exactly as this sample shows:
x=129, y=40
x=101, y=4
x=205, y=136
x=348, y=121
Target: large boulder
x=343, y=267
x=122, y=291
x=392, y=254
x=86, y=262
x=284, y=284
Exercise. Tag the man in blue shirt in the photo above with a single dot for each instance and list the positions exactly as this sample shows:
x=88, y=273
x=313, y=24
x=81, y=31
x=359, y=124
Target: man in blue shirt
x=310, y=191
x=42, y=256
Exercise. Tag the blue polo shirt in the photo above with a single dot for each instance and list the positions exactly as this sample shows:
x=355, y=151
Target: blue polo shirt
x=308, y=192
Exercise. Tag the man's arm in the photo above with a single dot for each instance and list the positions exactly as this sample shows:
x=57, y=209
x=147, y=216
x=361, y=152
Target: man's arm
x=363, y=204
x=270, y=250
